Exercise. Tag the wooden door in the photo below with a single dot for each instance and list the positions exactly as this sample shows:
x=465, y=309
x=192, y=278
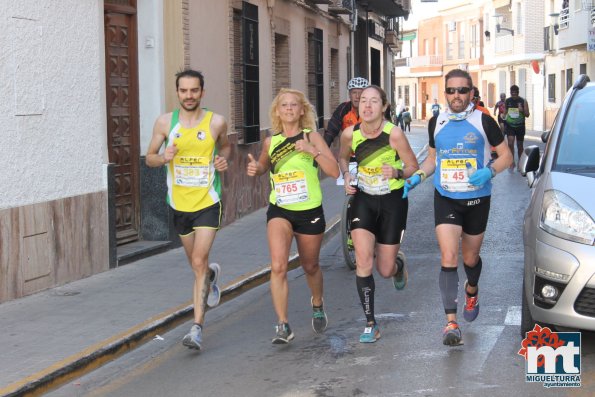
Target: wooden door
x=122, y=113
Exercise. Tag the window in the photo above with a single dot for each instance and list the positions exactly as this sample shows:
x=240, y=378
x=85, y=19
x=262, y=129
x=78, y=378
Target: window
x=551, y=87
x=406, y=95
x=246, y=74
x=502, y=81
x=569, y=79
x=399, y=92
x=315, y=74
x=461, y=54
x=546, y=39
x=519, y=18
x=450, y=40
x=582, y=68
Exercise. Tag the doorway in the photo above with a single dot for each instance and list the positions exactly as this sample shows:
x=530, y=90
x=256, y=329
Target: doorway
x=122, y=114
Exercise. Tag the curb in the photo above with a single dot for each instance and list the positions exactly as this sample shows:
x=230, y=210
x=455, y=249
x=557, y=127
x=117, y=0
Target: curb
x=96, y=355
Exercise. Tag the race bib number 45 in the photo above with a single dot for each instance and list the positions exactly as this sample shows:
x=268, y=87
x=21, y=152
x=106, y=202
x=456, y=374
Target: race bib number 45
x=290, y=187
x=454, y=174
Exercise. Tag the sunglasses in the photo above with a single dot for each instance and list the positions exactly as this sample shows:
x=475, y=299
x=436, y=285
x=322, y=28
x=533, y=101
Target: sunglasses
x=460, y=90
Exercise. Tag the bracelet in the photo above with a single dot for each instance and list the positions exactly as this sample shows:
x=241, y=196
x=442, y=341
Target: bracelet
x=421, y=173
x=317, y=154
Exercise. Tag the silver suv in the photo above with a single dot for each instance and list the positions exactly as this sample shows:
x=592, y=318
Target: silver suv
x=559, y=227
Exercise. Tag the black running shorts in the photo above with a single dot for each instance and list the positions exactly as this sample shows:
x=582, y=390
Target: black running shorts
x=209, y=217
x=516, y=131
x=303, y=222
x=385, y=216
x=471, y=214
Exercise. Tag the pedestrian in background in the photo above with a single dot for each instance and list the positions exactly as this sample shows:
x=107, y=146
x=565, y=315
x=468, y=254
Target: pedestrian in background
x=459, y=157
x=517, y=110
x=406, y=120
x=500, y=111
x=436, y=108
x=378, y=210
x=196, y=149
x=293, y=155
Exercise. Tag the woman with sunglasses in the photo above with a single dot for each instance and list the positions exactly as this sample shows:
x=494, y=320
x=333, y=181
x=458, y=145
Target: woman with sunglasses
x=460, y=159
x=378, y=211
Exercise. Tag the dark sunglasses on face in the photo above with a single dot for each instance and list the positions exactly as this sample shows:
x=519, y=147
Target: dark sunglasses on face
x=460, y=90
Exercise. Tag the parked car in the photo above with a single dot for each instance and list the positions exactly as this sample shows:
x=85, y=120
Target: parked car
x=559, y=227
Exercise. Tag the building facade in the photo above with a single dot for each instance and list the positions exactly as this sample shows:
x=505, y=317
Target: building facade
x=78, y=197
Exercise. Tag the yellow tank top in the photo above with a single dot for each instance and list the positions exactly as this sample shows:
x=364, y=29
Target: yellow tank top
x=294, y=175
x=370, y=154
x=192, y=183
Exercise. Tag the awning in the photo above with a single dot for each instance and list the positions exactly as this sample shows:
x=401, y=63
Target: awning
x=388, y=8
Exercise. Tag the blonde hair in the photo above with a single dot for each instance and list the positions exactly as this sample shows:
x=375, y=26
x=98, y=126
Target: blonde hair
x=307, y=120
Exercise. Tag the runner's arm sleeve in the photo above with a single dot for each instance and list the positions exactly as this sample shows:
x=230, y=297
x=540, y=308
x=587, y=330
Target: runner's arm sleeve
x=492, y=130
x=431, y=129
x=334, y=124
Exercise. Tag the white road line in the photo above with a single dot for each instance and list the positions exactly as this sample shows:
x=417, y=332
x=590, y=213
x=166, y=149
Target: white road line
x=513, y=316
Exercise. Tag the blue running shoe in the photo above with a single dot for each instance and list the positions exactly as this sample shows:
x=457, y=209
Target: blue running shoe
x=371, y=334
x=193, y=339
x=471, y=305
x=451, y=335
x=400, y=277
x=319, y=319
x=214, y=293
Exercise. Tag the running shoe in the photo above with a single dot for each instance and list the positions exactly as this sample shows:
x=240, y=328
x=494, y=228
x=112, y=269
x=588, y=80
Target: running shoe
x=451, y=335
x=283, y=334
x=371, y=334
x=319, y=319
x=471, y=305
x=193, y=339
x=214, y=293
x=400, y=277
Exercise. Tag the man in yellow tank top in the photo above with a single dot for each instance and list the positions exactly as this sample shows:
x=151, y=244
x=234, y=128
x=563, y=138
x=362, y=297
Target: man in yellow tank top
x=196, y=148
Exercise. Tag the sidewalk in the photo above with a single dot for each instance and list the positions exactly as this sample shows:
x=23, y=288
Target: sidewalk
x=56, y=335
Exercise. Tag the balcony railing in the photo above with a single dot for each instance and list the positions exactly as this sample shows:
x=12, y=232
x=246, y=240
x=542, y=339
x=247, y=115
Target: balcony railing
x=593, y=17
x=426, y=60
x=503, y=43
x=564, y=18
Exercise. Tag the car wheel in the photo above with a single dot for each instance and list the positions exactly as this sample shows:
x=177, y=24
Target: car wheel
x=527, y=322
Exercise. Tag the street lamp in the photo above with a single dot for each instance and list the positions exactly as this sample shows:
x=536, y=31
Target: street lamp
x=554, y=21
x=499, y=19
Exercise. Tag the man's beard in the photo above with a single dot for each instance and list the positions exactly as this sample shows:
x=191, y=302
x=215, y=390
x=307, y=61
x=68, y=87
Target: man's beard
x=189, y=109
x=462, y=108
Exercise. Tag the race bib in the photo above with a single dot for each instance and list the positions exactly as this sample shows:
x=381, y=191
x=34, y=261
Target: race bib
x=455, y=173
x=371, y=181
x=514, y=113
x=290, y=187
x=191, y=171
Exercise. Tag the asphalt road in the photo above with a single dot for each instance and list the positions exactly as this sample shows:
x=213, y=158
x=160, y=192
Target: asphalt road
x=238, y=358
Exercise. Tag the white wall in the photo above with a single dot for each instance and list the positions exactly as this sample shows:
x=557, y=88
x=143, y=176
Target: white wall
x=150, y=67
x=52, y=110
